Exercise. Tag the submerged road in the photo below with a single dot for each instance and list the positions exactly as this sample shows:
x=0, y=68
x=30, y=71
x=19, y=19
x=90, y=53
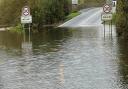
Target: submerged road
x=88, y=17
x=65, y=58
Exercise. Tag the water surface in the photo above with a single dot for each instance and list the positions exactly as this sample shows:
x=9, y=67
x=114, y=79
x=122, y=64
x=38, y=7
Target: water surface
x=63, y=58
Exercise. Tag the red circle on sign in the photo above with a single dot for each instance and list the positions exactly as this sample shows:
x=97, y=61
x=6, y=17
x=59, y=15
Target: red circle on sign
x=107, y=8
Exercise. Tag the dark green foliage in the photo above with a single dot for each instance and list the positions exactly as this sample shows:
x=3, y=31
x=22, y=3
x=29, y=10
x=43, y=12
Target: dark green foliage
x=9, y=11
x=122, y=18
x=43, y=11
x=91, y=3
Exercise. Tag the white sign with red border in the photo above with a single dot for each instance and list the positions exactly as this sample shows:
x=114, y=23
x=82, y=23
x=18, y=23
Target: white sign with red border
x=107, y=8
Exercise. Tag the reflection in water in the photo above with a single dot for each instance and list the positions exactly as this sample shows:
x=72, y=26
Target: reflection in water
x=61, y=73
x=37, y=65
x=27, y=45
x=63, y=59
x=49, y=40
x=10, y=40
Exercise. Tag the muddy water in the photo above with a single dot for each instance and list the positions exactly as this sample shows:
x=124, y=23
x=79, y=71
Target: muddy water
x=64, y=58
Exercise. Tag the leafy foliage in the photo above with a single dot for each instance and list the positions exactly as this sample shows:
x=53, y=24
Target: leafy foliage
x=43, y=11
x=91, y=3
x=122, y=18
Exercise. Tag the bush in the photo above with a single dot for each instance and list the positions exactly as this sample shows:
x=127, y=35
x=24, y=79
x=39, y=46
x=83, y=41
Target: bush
x=17, y=29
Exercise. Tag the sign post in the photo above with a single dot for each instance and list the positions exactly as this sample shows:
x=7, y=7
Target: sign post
x=107, y=16
x=26, y=18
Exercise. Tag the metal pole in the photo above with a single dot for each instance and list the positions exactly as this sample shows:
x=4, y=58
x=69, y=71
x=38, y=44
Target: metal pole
x=104, y=29
x=24, y=32
x=111, y=27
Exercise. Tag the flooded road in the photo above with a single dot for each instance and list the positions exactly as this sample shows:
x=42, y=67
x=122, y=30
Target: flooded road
x=63, y=58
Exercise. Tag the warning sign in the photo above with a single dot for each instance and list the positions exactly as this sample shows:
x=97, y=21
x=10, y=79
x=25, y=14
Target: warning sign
x=25, y=11
x=107, y=8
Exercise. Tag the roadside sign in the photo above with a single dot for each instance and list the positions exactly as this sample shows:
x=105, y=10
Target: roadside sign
x=74, y=2
x=107, y=8
x=106, y=17
x=26, y=19
x=26, y=16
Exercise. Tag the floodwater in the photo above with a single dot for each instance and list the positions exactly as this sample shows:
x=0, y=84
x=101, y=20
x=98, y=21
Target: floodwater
x=63, y=58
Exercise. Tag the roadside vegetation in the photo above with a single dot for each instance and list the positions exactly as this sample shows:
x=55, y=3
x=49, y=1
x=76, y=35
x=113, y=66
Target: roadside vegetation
x=91, y=3
x=72, y=15
x=44, y=12
x=16, y=29
x=122, y=18
x=114, y=18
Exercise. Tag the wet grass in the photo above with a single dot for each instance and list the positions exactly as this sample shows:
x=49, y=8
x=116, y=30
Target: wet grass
x=114, y=18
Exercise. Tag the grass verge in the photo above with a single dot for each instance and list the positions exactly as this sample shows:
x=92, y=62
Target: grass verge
x=114, y=18
x=72, y=15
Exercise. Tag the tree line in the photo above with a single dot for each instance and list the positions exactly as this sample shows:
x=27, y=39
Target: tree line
x=43, y=11
x=122, y=18
x=91, y=3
